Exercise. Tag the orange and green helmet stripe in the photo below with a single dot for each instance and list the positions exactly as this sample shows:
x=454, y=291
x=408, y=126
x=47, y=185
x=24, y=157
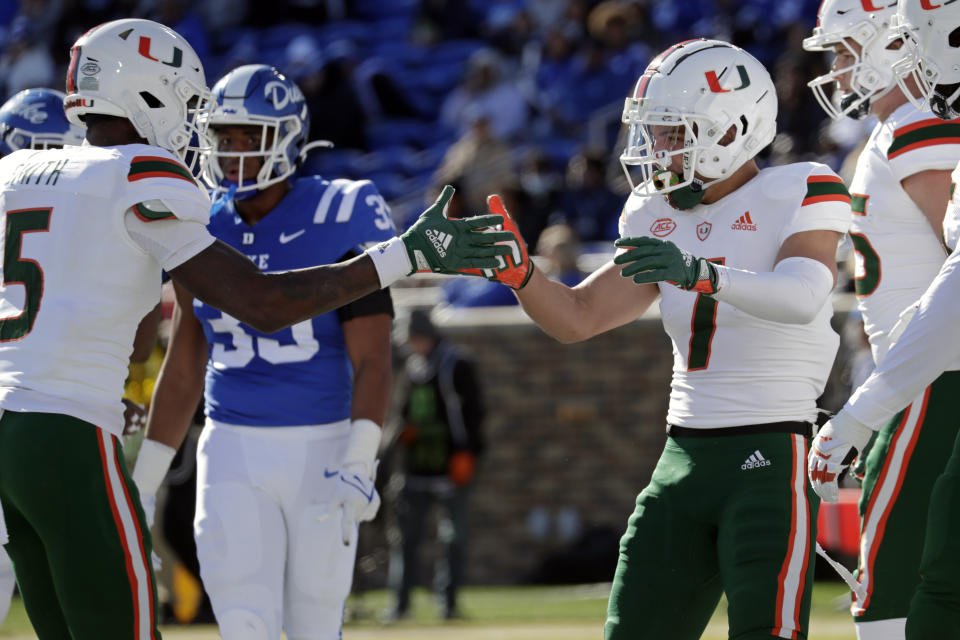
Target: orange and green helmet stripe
x=142, y=167
x=823, y=188
x=925, y=133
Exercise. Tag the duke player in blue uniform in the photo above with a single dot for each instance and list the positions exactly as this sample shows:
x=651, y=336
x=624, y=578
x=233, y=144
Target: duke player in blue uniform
x=286, y=460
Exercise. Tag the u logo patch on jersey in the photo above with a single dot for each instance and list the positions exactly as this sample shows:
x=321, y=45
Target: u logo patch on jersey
x=703, y=230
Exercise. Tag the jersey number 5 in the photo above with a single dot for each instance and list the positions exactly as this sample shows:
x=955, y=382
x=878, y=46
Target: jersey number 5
x=18, y=270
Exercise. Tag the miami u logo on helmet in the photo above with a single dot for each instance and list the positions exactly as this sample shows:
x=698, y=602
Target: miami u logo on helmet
x=714, y=83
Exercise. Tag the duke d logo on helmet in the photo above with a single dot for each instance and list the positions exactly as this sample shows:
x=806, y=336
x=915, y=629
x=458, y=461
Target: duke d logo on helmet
x=714, y=83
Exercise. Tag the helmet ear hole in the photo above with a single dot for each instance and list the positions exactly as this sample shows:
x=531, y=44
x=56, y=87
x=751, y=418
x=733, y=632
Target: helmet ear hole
x=731, y=134
x=954, y=38
x=151, y=100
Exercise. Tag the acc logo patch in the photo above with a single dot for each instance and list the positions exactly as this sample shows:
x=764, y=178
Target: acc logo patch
x=663, y=227
x=703, y=230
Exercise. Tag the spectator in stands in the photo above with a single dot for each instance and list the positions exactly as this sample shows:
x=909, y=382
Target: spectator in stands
x=479, y=162
x=559, y=250
x=589, y=205
x=327, y=84
x=440, y=439
x=439, y=20
x=26, y=62
x=485, y=90
x=185, y=20
x=539, y=194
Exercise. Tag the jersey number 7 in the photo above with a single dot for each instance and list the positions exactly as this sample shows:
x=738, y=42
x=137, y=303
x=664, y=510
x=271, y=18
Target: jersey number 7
x=703, y=325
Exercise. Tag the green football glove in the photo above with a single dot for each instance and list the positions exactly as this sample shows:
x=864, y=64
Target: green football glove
x=515, y=270
x=439, y=244
x=652, y=260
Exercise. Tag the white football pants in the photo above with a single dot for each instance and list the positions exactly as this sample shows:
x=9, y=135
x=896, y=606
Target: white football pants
x=268, y=536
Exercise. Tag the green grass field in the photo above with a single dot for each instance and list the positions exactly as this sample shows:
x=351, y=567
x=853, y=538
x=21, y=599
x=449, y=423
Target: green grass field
x=503, y=613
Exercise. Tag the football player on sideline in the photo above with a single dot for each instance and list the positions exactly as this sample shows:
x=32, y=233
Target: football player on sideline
x=31, y=119
x=88, y=231
x=302, y=407
x=926, y=348
x=899, y=193
x=728, y=508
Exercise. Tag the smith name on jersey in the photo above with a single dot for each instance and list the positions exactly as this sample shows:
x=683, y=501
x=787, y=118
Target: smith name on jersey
x=300, y=375
x=735, y=359
x=88, y=230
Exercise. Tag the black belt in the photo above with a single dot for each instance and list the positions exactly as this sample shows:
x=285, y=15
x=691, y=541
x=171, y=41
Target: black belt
x=802, y=428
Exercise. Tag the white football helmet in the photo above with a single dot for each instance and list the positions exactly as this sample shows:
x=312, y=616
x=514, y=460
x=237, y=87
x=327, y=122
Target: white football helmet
x=700, y=111
x=931, y=37
x=147, y=73
x=865, y=24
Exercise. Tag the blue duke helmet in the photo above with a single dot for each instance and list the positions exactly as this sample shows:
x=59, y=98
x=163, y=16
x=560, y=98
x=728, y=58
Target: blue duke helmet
x=259, y=95
x=34, y=119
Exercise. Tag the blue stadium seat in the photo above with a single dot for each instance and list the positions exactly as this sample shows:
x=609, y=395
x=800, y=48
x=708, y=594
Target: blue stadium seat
x=404, y=131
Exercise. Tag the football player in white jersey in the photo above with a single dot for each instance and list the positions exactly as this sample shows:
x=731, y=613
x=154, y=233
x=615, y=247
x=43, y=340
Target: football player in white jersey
x=31, y=119
x=925, y=348
x=88, y=230
x=743, y=263
x=301, y=408
x=899, y=194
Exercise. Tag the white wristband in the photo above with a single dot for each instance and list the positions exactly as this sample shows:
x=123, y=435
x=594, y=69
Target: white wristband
x=152, y=464
x=390, y=260
x=364, y=444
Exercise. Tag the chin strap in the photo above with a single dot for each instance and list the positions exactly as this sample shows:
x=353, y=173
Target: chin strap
x=683, y=198
x=222, y=198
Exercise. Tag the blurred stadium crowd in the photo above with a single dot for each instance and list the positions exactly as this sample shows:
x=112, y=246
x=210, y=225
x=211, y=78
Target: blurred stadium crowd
x=521, y=97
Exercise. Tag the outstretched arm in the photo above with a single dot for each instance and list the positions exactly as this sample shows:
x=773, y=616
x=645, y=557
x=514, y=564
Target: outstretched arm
x=224, y=278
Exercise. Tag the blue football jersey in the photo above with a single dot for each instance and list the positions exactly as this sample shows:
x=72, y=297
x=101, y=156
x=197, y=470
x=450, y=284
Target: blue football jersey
x=300, y=375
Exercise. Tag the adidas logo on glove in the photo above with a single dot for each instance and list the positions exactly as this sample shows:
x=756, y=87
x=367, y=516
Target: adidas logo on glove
x=755, y=461
x=440, y=241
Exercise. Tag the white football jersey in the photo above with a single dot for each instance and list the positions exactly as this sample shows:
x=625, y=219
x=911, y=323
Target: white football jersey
x=731, y=368
x=951, y=220
x=897, y=252
x=87, y=231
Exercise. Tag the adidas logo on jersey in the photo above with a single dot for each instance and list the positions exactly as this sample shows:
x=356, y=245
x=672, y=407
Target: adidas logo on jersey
x=440, y=241
x=744, y=223
x=755, y=461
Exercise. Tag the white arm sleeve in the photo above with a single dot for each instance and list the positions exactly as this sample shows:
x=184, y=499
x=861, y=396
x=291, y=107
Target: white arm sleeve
x=793, y=293
x=927, y=347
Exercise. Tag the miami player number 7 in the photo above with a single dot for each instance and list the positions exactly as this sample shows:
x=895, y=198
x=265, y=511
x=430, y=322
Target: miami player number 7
x=19, y=270
x=703, y=325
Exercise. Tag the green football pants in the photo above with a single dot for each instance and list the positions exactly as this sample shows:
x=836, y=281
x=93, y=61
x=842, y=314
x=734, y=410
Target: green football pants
x=723, y=514
x=910, y=453
x=935, y=607
x=78, y=538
